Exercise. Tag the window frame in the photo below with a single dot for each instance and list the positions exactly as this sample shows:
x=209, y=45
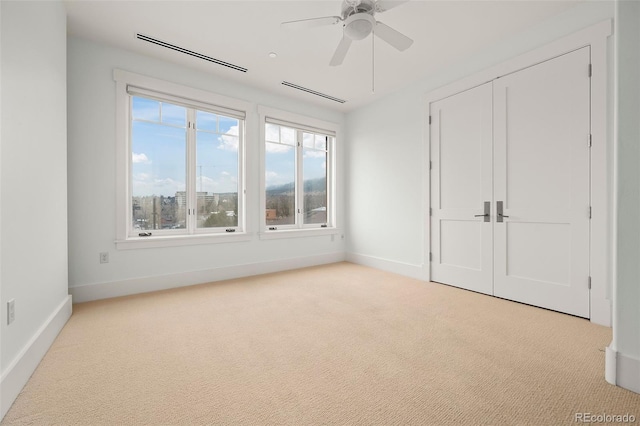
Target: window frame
x=301, y=124
x=195, y=99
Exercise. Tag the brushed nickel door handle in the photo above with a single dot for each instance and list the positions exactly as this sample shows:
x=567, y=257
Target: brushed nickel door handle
x=487, y=212
x=499, y=210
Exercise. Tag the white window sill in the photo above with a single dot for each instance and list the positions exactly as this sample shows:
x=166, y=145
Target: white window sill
x=180, y=240
x=294, y=233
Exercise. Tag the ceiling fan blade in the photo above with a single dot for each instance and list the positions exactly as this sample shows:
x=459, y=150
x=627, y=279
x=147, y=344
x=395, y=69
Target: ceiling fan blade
x=393, y=37
x=384, y=5
x=311, y=23
x=341, y=51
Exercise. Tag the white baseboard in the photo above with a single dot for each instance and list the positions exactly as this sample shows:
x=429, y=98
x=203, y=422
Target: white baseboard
x=610, y=365
x=89, y=292
x=408, y=270
x=628, y=372
x=22, y=367
x=622, y=370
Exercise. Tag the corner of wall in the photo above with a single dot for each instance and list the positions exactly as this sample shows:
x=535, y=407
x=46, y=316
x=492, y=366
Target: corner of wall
x=15, y=377
x=622, y=370
x=418, y=272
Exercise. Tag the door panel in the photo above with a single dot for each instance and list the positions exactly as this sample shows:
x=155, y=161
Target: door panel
x=541, y=160
x=461, y=138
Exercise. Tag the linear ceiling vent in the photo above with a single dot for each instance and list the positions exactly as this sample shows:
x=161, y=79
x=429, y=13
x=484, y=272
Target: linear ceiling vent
x=313, y=92
x=190, y=52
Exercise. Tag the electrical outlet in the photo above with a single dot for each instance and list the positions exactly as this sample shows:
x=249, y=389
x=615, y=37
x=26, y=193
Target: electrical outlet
x=11, y=311
x=104, y=257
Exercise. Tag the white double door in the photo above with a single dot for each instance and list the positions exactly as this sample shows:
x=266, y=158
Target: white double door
x=520, y=143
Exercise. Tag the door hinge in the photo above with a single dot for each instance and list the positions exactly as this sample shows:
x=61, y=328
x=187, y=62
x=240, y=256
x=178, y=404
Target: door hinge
x=590, y=140
x=590, y=70
x=430, y=211
x=430, y=257
x=429, y=120
x=430, y=165
x=589, y=282
x=590, y=209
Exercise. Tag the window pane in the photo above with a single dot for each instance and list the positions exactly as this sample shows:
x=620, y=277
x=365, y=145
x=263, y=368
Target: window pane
x=314, y=171
x=307, y=140
x=216, y=180
x=321, y=142
x=206, y=121
x=158, y=173
x=229, y=126
x=287, y=135
x=146, y=109
x=272, y=132
x=280, y=174
x=174, y=114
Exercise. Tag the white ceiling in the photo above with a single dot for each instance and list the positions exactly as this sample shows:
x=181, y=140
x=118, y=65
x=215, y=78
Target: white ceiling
x=245, y=32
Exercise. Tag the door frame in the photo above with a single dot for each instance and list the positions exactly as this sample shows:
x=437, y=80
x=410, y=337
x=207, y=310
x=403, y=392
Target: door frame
x=602, y=161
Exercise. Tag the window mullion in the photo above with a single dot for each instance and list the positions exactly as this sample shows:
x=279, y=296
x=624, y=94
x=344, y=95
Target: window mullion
x=129, y=163
x=330, y=182
x=299, y=181
x=191, y=171
x=242, y=178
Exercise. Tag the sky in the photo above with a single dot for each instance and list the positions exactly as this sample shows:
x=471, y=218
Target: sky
x=159, y=151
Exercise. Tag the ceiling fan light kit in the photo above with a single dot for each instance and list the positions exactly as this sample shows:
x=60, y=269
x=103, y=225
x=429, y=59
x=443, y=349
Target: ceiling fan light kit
x=358, y=21
x=358, y=26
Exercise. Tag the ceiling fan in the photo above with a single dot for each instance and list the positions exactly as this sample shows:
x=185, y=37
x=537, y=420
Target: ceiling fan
x=358, y=22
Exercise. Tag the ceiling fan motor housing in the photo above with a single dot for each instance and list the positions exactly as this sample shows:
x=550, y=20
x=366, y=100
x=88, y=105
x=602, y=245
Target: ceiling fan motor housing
x=359, y=25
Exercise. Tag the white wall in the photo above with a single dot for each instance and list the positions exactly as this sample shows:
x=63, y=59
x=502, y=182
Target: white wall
x=92, y=180
x=33, y=190
x=623, y=355
x=385, y=182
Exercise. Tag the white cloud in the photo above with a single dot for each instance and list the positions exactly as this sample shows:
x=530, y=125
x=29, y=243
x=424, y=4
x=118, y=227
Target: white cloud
x=277, y=148
x=273, y=179
x=270, y=176
x=144, y=185
x=229, y=141
x=226, y=182
x=314, y=154
x=141, y=177
x=140, y=158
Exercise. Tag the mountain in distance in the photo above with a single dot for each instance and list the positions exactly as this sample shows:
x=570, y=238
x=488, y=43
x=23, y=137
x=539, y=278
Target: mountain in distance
x=310, y=185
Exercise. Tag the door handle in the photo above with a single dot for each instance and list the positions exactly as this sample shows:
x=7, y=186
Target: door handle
x=487, y=212
x=499, y=209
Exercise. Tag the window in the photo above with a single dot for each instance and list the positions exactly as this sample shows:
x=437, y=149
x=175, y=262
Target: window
x=298, y=178
x=184, y=164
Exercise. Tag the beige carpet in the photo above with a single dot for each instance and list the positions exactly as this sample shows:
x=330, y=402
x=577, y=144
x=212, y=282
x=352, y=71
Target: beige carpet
x=337, y=344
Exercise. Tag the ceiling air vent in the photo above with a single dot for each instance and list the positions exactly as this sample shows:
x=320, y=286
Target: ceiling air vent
x=190, y=52
x=313, y=92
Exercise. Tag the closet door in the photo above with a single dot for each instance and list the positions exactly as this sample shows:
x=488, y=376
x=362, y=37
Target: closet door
x=541, y=176
x=461, y=184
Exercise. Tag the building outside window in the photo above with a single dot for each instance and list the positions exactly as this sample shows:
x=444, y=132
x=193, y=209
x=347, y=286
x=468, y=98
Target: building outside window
x=298, y=182
x=185, y=166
